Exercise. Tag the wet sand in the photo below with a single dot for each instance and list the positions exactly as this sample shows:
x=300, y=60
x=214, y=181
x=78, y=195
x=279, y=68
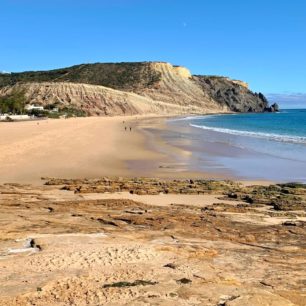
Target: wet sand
x=94, y=147
x=234, y=156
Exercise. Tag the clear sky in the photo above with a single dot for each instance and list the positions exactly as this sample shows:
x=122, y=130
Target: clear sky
x=260, y=41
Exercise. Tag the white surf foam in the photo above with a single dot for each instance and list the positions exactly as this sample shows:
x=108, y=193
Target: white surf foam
x=270, y=136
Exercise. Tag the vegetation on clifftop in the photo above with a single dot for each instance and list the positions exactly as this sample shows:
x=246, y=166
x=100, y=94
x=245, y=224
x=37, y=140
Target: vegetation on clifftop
x=158, y=81
x=13, y=103
x=113, y=75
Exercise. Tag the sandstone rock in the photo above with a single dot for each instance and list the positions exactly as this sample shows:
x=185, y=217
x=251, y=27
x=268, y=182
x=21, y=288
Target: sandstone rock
x=262, y=298
x=133, y=88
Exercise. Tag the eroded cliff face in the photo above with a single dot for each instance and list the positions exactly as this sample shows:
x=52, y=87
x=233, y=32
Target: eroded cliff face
x=176, y=86
x=134, y=88
x=232, y=93
x=96, y=100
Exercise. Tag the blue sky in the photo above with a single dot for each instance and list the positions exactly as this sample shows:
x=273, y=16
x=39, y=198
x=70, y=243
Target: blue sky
x=261, y=42
x=288, y=100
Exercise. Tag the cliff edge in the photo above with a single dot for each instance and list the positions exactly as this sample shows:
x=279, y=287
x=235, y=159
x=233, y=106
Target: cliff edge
x=134, y=88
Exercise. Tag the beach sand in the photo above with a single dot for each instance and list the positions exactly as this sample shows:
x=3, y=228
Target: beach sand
x=84, y=240
x=88, y=148
x=76, y=147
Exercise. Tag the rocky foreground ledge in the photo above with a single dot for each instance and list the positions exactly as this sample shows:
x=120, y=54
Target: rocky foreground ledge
x=286, y=197
x=222, y=243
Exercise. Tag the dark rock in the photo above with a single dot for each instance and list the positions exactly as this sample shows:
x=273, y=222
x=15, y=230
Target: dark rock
x=293, y=185
x=129, y=284
x=248, y=199
x=232, y=195
x=78, y=215
x=30, y=243
x=107, y=222
x=289, y=223
x=287, y=204
x=170, y=265
x=273, y=108
x=184, y=281
x=231, y=93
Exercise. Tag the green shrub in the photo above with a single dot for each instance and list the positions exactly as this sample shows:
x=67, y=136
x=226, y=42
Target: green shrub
x=13, y=103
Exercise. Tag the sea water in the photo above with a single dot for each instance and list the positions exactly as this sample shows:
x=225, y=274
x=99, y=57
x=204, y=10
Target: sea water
x=286, y=126
x=250, y=146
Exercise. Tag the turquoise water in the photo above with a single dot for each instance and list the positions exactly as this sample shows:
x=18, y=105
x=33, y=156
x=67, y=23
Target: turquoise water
x=268, y=146
x=285, y=126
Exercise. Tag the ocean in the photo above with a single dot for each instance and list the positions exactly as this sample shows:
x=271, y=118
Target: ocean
x=269, y=146
x=286, y=126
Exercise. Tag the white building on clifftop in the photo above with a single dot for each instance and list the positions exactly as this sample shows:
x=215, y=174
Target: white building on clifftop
x=33, y=106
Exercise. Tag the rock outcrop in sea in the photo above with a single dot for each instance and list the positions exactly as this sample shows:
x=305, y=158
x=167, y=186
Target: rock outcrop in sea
x=273, y=108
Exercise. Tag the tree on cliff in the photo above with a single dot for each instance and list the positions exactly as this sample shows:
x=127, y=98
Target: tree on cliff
x=13, y=103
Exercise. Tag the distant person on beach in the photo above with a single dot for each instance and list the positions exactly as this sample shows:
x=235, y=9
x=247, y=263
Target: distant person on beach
x=125, y=128
x=130, y=129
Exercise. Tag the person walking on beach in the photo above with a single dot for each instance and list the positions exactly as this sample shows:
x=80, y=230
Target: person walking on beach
x=125, y=128
x=130, y=129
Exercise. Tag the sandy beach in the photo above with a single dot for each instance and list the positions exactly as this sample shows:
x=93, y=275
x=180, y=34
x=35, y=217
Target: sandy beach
x=88, y=148
x=80, y=147
x=119, y=219
x=153, y=153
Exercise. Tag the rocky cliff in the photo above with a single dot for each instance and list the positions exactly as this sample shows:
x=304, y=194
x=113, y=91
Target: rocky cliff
x=134, y=88
x=232, y=93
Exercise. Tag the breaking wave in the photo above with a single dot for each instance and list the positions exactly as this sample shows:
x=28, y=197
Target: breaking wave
x=269, y=136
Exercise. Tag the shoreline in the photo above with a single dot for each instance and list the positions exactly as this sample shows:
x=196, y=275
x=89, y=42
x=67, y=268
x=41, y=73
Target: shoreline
x=235, y=157
x=179, y=151
x=174, y=161
x=94, y=147
x=109, y=238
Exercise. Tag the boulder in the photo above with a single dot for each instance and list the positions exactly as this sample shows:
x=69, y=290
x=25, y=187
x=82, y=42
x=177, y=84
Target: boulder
x=272, y=109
